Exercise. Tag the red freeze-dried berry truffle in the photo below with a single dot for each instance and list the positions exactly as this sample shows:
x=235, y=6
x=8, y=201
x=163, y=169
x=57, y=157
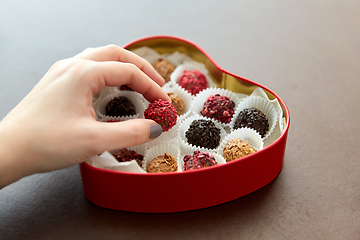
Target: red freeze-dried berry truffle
x=162, y=112
x=218, y=107
x=125, y=155
x=193, y=81
x=198, y=160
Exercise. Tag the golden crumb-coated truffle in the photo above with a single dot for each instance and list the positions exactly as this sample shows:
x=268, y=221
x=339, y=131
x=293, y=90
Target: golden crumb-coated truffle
x=177, y=102
x=162, y=163
x=164, y=68
x=237, y=148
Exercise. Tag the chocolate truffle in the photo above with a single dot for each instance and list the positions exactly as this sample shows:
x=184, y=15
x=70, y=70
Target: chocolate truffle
x=218, y=107
x=162, y=112
x=164, y=68
x=198, y=160
x=193, y=81
x=125, y=88
x=162, y=163
x=252, y=118
x=119, y=107
x=237, y=148
x=203, y=133
x=125, y=155
x=177, y=102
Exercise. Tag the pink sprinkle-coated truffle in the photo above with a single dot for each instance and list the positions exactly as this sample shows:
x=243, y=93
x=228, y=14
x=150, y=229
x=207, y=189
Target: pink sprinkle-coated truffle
x=162, y=112
x=218, y=107
x=193, y=81
x=198, y=160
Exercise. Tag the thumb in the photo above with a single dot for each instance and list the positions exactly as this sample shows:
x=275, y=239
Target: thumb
x=114, y=135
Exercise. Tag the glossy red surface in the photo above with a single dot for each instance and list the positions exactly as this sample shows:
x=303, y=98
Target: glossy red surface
x=184, y=191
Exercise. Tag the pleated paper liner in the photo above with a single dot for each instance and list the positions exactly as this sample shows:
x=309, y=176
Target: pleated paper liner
x=200, y=99
x=169, y=136
x=152, y=56
x=107, y=161
x=246, y=134
x=184, y=95
x=191, y=65
x=134, y=97
x=261, y=104
x=161, y=149
x=185, y=126
x=189, y=150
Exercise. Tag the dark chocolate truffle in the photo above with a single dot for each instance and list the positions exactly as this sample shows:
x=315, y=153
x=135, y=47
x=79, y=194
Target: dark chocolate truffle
x=237, y=148
x=162, y=163
x=177, y=102
x=218, y=107
x=252, y=118
x=198, y=160
x=125, y=88
x=203, y=133
x=193, y=81
x=119, y=107
x=125, y=155
x=162, y=112
x=164, y=68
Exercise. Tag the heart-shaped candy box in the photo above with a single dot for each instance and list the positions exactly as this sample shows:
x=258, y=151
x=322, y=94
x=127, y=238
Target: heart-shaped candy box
x=189, y=190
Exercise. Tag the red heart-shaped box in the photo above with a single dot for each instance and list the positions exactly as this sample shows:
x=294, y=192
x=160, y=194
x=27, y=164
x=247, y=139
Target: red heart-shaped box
x=184, y=191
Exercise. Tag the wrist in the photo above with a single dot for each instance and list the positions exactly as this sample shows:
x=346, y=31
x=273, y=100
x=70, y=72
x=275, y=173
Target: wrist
x=12, y=168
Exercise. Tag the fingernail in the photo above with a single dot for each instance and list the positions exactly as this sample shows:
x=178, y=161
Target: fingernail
x=155, y=130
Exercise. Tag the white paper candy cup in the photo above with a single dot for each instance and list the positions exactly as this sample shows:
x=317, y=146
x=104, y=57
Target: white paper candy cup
x=95, y=97
x=184, y=95
x=192, y=65
x=185, y=126
x=200, y=99
x=140, y=149
x=161, y=149
x=188, y=150
x=148, y=54
x=106, y=90
x=246, y=134
x=134, y=98
x=165, y=137
x=177, y=58
x=107, y=161
x=241, y=95
x=261, y=104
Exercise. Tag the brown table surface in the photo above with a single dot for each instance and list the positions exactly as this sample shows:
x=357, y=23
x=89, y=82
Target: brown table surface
x=306, y=51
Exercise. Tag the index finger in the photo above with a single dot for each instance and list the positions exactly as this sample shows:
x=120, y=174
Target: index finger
x=100, y=74
x=116, y=53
